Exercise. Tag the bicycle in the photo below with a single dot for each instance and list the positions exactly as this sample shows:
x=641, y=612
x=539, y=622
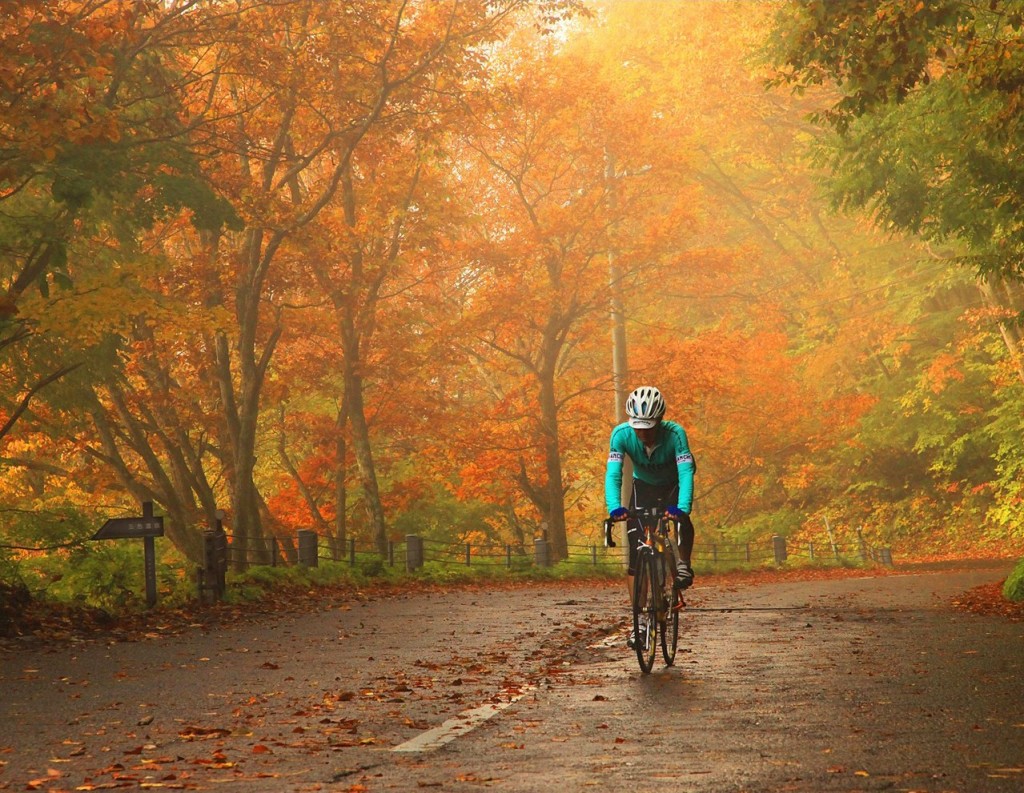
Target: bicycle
x=657, y=600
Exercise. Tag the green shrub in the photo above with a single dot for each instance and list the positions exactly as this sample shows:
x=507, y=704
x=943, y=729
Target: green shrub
x=1013, y=589
x=262, y=580
x=267, y=577
x=106, y=575
x=372, y=567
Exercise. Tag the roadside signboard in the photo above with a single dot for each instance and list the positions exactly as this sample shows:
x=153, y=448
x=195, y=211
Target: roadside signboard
x=126, y=528
x=146, y=527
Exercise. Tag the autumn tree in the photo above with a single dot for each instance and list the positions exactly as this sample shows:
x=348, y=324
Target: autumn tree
x=538, y=284
x=923, y=121
x=295, y=90
x=90, y=144
x=767, y=279
x=95, y=153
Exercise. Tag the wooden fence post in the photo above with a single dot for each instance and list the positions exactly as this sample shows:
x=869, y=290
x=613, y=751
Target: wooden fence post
x=413, y=552
x=779, y=546
x=308, y=548
x=541, y=557
x=215, y=563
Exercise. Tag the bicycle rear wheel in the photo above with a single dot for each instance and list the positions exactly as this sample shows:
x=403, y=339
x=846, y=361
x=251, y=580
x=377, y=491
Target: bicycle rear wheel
x=645, y=610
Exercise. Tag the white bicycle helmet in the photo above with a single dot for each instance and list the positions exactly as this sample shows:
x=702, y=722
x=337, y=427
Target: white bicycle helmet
x=645, y=407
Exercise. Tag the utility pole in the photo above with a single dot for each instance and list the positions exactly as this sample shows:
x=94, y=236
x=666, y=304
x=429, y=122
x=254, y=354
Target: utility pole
x=620, y=368
x=618, y=307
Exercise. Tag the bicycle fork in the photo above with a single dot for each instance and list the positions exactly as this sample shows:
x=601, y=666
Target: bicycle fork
x=671, y=598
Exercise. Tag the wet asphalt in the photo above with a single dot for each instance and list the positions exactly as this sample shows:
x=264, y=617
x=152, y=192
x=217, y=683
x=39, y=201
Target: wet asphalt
x=855, y=684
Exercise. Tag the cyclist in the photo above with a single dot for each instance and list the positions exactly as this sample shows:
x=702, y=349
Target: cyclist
x=663, y=469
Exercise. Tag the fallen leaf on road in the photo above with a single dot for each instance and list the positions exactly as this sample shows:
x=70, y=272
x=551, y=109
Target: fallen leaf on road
x=37, y=784
x=473, y=778
x=203, y=733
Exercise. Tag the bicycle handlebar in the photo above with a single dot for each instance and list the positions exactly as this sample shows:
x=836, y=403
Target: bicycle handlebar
x=633, y=515
x=608, y=541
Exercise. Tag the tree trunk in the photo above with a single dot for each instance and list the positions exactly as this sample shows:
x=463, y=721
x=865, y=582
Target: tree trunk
x=553, y=465
x=1007, y=295
x=340, y=491
x=518, y=534
x=361, y=431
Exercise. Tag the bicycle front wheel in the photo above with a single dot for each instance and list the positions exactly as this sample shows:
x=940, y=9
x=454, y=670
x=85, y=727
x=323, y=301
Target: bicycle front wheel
x=670, y=631
x=670, y=614
x=645, y=610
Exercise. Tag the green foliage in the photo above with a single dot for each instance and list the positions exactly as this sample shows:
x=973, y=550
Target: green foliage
x=917, y=135
x=442, y=573
x=441, y=517
x=10, y=571
x=262, y=581
x=109, y=577
x=926, y=93
x=783, y=522
x=60, y=524
x=372, y=567
x=71, y=569
x=1013, y=589
x=268, y=577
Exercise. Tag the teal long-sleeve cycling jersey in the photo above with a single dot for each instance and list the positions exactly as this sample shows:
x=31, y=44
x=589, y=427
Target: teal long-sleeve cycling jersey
x=670, y=461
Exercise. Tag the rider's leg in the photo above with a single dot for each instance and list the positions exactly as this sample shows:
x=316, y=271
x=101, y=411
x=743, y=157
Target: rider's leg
x=684, y=569
x=686, y=534
x=631, y=544
x=632, y=541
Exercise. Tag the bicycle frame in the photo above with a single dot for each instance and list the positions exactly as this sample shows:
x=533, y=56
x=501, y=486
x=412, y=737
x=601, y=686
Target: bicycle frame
x=658, y=537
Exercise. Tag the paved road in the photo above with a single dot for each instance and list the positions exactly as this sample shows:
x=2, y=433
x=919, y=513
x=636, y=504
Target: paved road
x=859, y=684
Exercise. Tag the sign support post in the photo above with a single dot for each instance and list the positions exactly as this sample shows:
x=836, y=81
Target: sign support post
x=147, y=527
x=150, y=550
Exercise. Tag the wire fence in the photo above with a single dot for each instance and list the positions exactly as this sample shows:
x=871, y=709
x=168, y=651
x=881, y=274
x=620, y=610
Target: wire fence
x=222, y=551
x=415, y=551
x=242, y=553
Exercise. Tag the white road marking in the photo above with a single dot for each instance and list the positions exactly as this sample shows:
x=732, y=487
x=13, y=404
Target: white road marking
x=456, y=727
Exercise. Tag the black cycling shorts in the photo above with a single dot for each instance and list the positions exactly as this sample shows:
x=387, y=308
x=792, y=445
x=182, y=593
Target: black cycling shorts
x=646, y=496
